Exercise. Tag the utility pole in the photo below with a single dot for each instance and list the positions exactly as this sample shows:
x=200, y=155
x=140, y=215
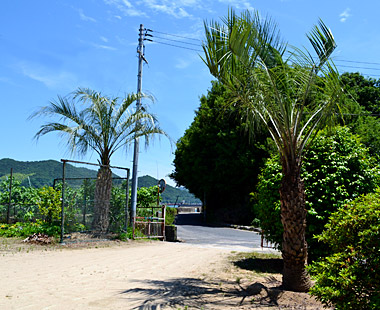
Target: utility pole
x=140, y=52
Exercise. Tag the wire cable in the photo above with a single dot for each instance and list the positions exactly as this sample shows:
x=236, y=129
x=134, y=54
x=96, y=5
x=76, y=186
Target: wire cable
x=359, y=62
x=366, y=68
x=174, y=35
x=182, y=42
x=198, y=45
x=187, y=48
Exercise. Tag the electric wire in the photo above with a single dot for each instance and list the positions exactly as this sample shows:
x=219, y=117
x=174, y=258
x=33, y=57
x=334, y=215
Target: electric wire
x=201, y=51
x=359, y=62
x=184, y=47
x=182, y=42
x=174, y=35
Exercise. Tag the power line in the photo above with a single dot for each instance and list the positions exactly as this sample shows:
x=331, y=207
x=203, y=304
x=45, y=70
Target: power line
x=359, y=62
x=187, y=48
x=174, y=35
x=345, y=66
x=182, y=42
x=193, y=49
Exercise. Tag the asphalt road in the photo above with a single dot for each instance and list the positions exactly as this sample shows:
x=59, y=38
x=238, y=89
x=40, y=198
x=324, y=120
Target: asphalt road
x=192, y=230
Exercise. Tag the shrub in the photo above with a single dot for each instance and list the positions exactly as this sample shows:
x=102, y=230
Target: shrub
x=170, y=215
x=336, y=170
x=50, y=204
x=349, y=278
x=29, y=228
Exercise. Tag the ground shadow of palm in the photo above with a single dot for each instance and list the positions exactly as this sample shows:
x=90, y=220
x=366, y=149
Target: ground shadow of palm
x=265, y=265
x=192, y=293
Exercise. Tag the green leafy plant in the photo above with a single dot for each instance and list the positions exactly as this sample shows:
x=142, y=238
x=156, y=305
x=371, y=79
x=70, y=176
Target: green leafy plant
x=28, y=228
x=336, y=170
x=349, y=278
x=50, y=203
x=170, y=215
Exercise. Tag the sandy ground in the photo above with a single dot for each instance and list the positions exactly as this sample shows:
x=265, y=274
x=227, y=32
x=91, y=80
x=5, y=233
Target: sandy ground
x=148, y=275
x=123, y=277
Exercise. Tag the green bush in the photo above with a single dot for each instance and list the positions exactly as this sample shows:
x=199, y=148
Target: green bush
x=336, y=170
x=170, y=215
x=349, y=278
x=29, y=228
x=50, y=204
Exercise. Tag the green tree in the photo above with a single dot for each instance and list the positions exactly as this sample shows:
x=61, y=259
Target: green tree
x=292, y=94
x=366, y=91
x=215, y=160
x=49, y=203
x=348, y=278
x=362, y=109
x=336, y=170
x=90, y=121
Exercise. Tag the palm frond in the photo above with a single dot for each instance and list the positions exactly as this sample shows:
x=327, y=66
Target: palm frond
x=90, y=121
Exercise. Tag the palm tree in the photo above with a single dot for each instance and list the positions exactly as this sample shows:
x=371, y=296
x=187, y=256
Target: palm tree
x=101, y=124
x=292, y=92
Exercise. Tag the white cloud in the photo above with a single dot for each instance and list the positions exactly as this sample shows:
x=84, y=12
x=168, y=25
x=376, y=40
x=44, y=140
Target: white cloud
x=182, y=64
x=105, y=47
x=100, y=46
x=125, y=7
x=48, y=78
x=344, y=15
x=104, y=39
x=237, y=4
x=127, y=3
x=177, y=9
x=85, y=17
x=173, y=8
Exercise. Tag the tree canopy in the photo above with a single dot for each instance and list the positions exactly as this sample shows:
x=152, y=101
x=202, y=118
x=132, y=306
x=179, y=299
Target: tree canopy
x=292, y=92
x=90, y=121
x=215, y=160
x=337, y=169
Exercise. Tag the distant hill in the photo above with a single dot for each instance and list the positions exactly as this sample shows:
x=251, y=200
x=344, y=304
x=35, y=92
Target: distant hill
x=171, y=194
x=43, y=173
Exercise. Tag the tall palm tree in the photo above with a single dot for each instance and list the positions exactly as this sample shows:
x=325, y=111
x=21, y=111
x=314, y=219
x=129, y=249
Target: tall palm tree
x=292, y=92
x=92, y=122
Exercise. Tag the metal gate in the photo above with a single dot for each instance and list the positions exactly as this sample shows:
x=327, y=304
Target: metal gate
x=152, y=225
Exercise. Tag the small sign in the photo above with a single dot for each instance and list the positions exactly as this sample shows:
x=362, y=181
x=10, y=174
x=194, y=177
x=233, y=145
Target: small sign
x=161, y=185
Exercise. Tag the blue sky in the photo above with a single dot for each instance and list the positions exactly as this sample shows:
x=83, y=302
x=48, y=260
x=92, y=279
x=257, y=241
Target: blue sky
x=52, y=47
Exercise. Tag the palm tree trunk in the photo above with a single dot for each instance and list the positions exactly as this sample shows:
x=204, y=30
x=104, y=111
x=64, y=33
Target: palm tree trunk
x=293, y=218
x=102, y=200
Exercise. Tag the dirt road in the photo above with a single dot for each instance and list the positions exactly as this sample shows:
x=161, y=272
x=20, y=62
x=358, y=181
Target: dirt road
x=131, y=276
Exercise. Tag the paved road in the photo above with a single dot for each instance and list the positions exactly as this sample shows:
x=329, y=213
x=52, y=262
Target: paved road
x=192, y=230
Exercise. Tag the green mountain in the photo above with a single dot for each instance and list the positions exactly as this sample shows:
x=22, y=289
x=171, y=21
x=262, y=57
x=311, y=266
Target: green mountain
x=171, y=194
x=43, y=173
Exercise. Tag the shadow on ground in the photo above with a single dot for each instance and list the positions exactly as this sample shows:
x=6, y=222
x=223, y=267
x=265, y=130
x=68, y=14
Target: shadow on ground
x=267, y=265
x=190, y=293
x=193, y=219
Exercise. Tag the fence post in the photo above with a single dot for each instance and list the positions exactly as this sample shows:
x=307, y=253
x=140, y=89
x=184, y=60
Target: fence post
x=10, y=198
x=63, y=201
x=163, y=224
x=126, y=203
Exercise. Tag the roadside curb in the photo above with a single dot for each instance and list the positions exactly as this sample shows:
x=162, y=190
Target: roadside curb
x=241, y=227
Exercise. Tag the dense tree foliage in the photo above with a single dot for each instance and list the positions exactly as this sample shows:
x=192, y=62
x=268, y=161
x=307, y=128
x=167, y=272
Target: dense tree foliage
x=366, y=91
x=39, y=209
x=336, y=170
x=215, y=160
x=362, y=109
x=349, y=277
x=292, y=93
